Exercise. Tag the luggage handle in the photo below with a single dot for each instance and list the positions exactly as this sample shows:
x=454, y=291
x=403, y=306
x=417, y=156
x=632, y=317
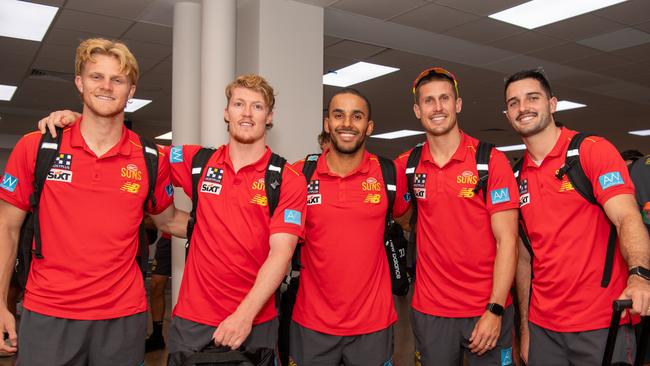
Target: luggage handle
x=617, y=308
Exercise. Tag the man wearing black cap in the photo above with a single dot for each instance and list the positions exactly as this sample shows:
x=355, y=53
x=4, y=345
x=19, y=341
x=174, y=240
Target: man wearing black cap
x=466, y=240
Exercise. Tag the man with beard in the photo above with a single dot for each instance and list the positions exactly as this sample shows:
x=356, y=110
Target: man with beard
x=466, y=244
x=344, y=309
x=570, y=309
x=238, y=254
x=85, y=301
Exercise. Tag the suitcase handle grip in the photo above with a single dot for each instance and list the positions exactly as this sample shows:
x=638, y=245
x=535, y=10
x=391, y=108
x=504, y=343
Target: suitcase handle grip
x=620, y=305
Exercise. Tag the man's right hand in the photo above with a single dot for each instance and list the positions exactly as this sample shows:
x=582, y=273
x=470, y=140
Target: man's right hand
x=57, y=119
x=8, y=325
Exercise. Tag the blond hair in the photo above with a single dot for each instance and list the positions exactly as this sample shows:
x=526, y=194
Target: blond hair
x=100, y=46
x=255, y=83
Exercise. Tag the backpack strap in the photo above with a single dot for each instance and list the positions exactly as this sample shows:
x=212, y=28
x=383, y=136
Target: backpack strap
x=199, y=161
x=150, y=153
x=411, y=164
x=581, y=183
x=48, y=150
x=523, y=233
x=389, y=174
x=483, y=151
x=309, y=167
x=273, y=181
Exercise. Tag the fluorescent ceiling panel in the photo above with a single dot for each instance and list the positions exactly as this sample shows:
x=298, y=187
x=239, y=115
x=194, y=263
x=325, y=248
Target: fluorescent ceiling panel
x=7, y=91
x=135, y=104
x=565, y=105
x=397, y=134
x=512, y=147
x=23, y=20
x=640, y=133
x=536, y=13
x=165, y=136
x=356, y=73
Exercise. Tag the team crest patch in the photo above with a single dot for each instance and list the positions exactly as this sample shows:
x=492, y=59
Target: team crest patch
x=313, y=193
x=419, y=182
x=9, y=182
x=466, y=177
x=176, y=154
x=407, y=197
x=371, y=184
x=131, y=171
x=499, y=195
x=523, y=186
x=169, y=190
x=292, y=217
x=610, y=179
x=62, y=161
x=506, y=357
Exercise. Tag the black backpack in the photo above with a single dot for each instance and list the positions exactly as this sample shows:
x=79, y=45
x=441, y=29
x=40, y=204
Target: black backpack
x=212, y=355
x=272, y=184
x=482, y=157
x=576, y=174
x=30, y=231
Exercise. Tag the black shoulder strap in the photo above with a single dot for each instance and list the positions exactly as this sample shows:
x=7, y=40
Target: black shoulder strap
x=273, y=181
x=581, y=183
x=523, y=234
x=483, y=151
x=309, y=167
x=412, y=164
x=150, y=153
x=573, y=169
x=199, y=161
x=48, y=150
x=389, y=174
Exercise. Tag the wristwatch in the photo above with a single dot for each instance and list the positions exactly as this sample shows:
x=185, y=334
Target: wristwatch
x=640, y=271
x=495, y=308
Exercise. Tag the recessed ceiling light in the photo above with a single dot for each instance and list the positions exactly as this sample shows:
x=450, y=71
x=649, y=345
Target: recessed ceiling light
x=640, y=133
x=7, y=91
x=356, y=73
x=565, y=105
x=165, y=136
x=537, y=13
x=24, y=20
x=397, y=134
x=511, y=147
x=135, y=104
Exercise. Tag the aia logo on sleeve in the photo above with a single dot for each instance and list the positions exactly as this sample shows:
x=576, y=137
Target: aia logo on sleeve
x=610, y=179
x=9, y=182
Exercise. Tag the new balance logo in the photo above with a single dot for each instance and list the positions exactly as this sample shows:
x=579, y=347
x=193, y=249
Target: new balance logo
x=610, y=179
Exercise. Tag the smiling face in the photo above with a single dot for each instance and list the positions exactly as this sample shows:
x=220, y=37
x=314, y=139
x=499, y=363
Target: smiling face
x=348, y=123
x=104, y=87
x=247, y=115
x=437, y=107
x=528, y=107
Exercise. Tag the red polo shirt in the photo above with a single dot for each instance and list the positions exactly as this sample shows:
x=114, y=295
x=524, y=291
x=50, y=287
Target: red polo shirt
x=569, y=237
x=89, y=220
x=230, y=241
x=455, y=245
x=345, y=286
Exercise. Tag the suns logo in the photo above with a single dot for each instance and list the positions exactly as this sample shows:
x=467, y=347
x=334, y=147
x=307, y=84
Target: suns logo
x=131, y=171
x=371, y=184
x=258, y=185
x=466, y=177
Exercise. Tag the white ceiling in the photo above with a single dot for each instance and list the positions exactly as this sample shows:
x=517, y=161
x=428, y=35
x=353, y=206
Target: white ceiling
x=601, y=59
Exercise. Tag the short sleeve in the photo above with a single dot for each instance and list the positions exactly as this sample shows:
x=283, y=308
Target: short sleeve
x=605, y=169
x=289, y=216
x=502, y=191
x=180, y=162
x=18, y=177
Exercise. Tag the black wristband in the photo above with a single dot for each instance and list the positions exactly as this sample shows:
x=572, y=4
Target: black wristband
x=495, y=308
x=640, y=271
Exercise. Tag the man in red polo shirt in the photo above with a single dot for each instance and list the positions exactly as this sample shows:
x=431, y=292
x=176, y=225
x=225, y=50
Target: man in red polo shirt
x=344, y=309
x=84, y=300
x=466, y=245
x=569, y=309
x=238, y=254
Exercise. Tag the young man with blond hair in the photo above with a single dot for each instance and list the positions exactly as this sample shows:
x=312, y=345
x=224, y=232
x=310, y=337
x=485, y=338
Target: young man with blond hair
x=85, y=301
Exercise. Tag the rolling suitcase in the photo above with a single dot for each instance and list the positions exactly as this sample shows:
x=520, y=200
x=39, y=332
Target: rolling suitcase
x=617, y=307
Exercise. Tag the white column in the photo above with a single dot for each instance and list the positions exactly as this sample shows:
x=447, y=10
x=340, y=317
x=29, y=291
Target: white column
x=282, y=40
x=186, y=81
x=217, y=67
